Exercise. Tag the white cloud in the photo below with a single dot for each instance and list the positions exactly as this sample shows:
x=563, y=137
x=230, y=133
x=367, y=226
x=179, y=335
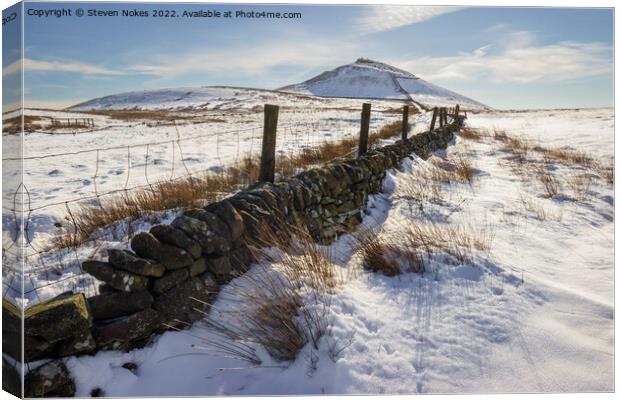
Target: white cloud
x=12, y=68
x=64, y=66
x=249, y=60
x=59, y=66
x=522, y=62
x=381, y=18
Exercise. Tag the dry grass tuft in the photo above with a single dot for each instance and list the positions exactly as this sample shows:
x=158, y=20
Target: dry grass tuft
x=13, y=125
x=500, y=135
x=458, y=242
x=285, y=300
x=452, y=170
x=539, y=168
x=464, y=169
x=606, y=172
x=424, y=186
x=537, y=209
x=550, y=183
x=306, y=261
x=382, y=254
x=378, y=254
x=580, y=185
x=569, y=157
x=187, y=192
x=471, y=134
x=420, y=187
x=518, y=149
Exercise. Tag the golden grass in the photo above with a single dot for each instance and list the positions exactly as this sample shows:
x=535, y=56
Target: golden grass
x=387, y=255
x=13, y=125
x=187, y=192
x=464, y=169
x=537, y=209
x=551, y=185
x=452, y=170
x=305, y=260
x=424, y=185
x=420, y=187
x=526, y=165
x=377, y=253
x=569, y=157
x=580, y=185
x=472, y=134
x=606, y=172
x=500, y=135
x=286, y=298
x=456, y=241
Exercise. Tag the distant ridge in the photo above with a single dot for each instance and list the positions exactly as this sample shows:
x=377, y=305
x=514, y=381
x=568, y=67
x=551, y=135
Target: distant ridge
x=364, y=79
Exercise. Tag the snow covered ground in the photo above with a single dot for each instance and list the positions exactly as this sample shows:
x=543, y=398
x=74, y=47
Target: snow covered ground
x=534, y=313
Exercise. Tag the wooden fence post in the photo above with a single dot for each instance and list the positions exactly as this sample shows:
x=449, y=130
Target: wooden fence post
x=441, y=111
x=435, y=110
x=365, y=127
x=456, y=113
x=405, y=122
x=268, y=154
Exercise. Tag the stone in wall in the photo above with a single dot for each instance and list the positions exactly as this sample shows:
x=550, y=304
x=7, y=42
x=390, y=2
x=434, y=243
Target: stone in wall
x=170, y=280
x=170, y=235
x=127, y=261
x=233, y=220
x=58, y=319
x=114, y=304
x=179, y=303
x=146, y=245
x=49, y=380
x=119, y=280
x=133, y=327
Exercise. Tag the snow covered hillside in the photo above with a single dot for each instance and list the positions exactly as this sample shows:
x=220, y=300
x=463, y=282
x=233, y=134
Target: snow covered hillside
x=375, y=80
x=211, y=98
x=527, y=308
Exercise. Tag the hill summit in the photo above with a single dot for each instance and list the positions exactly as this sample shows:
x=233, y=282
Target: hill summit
x=371, y=79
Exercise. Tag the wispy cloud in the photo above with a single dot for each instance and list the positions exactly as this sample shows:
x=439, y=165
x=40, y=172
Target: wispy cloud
x=12, y=68
x=522, y=62
x=384, y=18
x=248, y=60
x=59, y=66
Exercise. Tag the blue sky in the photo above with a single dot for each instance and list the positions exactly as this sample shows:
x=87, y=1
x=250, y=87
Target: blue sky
x=503, y=57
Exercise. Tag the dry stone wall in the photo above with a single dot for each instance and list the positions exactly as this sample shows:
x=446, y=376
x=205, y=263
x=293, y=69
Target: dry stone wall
x=173, y=271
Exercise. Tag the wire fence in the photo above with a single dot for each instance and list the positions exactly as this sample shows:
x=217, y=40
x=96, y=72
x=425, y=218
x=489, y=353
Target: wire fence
x=40, y=270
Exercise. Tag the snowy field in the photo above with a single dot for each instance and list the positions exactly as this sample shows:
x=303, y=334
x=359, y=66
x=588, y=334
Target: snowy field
x=72, y=167
x=534, y=313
